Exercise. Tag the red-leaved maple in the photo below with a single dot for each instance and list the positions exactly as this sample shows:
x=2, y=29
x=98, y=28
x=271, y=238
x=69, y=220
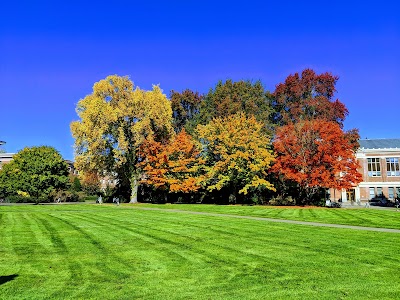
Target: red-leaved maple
x=308, y=97
x=316, y=154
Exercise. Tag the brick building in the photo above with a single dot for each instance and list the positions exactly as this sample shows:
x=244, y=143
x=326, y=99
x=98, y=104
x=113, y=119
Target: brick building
x=379, y=165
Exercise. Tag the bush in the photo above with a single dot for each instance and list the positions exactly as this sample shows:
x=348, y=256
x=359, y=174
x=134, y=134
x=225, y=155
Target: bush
x=284, y=201
x=64, y=196
x=20, y=199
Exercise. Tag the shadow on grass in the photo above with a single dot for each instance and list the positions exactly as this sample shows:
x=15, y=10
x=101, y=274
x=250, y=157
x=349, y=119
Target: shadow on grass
x=7, y=278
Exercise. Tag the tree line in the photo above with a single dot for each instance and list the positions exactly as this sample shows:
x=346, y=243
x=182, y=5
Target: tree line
x=237, y=143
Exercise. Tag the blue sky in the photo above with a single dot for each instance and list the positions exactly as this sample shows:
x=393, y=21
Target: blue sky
x=52, y=53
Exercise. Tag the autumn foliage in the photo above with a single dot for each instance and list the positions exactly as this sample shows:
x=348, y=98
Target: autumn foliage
x=218, y=145
x=175, y=166
x=315, y=154
x=307, y=97
x=237, y=153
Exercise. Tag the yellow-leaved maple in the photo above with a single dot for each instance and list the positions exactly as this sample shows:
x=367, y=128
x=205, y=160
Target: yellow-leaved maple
x=237, y=153
x=114, y=121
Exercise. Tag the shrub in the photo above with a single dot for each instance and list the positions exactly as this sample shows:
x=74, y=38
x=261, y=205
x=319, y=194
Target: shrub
x=64, y=196
x=280, y=200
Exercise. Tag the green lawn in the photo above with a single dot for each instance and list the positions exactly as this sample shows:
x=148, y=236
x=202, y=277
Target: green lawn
x=384, y=218
x=108, y=252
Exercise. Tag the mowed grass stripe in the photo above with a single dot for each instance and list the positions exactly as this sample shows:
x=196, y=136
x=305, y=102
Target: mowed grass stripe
x=177, y=244
x=385, y=218
x=228, y=258
x=34, y=255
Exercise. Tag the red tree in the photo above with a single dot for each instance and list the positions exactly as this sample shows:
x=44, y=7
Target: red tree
x=307, y=97
x=316, y=154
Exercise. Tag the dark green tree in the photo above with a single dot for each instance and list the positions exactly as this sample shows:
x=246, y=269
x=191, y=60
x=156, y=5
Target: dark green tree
x=185, y=106
x=36, y=172
x=228, y=98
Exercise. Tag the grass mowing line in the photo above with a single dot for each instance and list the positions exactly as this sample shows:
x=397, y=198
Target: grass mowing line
x=75, y=274
x=36, y=263
x=373, y=218
x=388, y=219
x=288, y=261
x=149, y=234
x=234, y=230
x=176, y=244
x=105, y=251
x=278, y=220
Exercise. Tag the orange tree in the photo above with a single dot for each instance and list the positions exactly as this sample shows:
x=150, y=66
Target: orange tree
x=237, y=154
x=174, y=166
x=315, y=154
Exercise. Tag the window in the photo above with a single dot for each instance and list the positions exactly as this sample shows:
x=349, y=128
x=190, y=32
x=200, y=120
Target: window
x=371, y=193
x=391, y=193
x=379, y=191
x=392, y=166
x=374, y=167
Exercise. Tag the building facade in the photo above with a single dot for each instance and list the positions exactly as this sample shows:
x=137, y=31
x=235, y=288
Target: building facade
x=379, y=165
x=5, y=158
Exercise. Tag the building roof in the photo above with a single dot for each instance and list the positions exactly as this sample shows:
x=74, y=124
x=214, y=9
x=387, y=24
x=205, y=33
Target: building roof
x=380, y=143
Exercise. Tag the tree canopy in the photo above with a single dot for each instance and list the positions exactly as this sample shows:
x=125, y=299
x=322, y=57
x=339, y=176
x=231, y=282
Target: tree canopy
x=306, y=97
x=175, y=166
x=141, y=137
x=185, y=106
x=35, y=172
x=316, y=154
x=237, y=154
x=231, y=97
x=114, y=121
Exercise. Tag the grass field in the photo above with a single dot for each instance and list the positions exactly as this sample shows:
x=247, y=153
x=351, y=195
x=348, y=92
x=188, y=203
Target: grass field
x=109, y=252
x=384, y=218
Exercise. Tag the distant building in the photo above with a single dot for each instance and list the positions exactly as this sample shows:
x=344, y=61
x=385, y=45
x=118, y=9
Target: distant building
x=379, y=165
x=71, y=167
x=5, y=158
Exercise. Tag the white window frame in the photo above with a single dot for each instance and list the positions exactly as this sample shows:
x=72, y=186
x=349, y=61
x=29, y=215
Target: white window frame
x=374, y=167
x=392, y=166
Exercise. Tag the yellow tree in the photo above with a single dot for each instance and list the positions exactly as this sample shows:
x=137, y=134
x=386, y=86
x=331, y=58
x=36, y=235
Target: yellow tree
x=237, y=153
x=115, y=119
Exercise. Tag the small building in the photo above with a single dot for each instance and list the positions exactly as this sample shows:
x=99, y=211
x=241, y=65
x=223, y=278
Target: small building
x=379, y=165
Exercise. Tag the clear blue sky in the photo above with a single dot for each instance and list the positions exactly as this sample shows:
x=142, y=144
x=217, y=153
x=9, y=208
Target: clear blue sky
x=52, y=52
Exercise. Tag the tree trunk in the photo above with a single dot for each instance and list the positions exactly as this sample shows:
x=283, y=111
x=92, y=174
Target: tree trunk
x=134, y=188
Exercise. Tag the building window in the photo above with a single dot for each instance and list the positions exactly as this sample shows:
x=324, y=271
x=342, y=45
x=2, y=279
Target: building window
x=392, y=165
x=379, y=191
x=391, y=193
x=371, y=192
x=374, y=167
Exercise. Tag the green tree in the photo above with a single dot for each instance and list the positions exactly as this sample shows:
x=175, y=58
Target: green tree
x=75, y=183
x=230, y=97
x=114, y=121
x=185, y=106
x=35, y=171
